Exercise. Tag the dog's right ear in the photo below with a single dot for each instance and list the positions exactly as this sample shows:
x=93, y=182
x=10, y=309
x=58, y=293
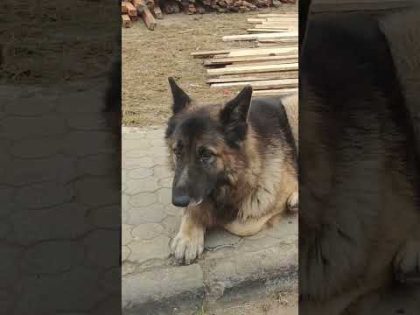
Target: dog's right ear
x=180, y=99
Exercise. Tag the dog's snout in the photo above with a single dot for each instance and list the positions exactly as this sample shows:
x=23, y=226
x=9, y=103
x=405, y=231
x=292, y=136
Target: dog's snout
x=180, y=200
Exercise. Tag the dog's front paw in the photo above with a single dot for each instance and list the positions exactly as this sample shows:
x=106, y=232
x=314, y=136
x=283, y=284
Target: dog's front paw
x=293, y=202
x=187, y=248
x=407, y=262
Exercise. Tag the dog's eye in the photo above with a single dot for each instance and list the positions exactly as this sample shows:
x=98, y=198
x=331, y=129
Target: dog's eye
x=206, y=156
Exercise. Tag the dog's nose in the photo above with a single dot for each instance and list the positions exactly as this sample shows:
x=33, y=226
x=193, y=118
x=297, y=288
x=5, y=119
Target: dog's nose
x=180, y=200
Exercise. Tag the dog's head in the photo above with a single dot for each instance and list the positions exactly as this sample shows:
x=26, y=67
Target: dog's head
x=201, y=141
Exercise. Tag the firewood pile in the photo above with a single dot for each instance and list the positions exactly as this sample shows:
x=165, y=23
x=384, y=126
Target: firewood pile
x=270, y=65
x=150, y=10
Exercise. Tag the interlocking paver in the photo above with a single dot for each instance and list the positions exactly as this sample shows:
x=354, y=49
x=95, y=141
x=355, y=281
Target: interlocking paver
x=150, y=221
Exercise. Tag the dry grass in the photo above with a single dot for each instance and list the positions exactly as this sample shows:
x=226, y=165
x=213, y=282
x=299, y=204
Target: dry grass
x=149, y=57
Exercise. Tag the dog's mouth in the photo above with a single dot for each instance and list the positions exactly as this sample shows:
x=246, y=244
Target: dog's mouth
x=196, y=203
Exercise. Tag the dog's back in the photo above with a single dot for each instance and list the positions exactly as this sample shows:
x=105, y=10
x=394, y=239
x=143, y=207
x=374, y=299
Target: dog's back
x=359, y=179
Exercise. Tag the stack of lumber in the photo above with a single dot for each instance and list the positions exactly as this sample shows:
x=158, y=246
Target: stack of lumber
x=270, y=66
x=147, y=10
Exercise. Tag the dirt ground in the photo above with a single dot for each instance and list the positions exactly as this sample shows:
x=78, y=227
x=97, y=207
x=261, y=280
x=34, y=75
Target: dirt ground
x=150, y=57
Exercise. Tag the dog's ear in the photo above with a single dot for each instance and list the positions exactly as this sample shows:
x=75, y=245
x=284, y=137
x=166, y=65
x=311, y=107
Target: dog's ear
x=180, y=99
x=234, y=116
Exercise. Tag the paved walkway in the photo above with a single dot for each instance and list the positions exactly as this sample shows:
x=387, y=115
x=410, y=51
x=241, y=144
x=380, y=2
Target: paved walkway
x=152, y=281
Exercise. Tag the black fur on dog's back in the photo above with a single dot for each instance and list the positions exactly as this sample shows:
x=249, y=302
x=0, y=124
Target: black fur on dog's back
x=269, y=119
x=356, y=137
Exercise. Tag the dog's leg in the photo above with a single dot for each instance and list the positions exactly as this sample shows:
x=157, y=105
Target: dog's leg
x=188, y=244
x=250, y=226
x=293, y=202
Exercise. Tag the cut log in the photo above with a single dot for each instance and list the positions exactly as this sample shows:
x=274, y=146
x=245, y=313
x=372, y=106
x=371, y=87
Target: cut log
x=280, y=35
x=158, y=12
x=261, y=85
x=126, y=22
x=124, y=8
x=253, y=69
x=131, y=10
x=140, y=5
x=234, y=60
x=148, y=19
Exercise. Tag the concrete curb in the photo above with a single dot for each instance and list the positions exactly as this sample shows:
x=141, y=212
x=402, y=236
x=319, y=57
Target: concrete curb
x=184, y=289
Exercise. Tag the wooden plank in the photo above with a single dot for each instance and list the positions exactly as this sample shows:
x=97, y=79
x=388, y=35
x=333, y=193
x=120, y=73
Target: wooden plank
x=270, y=84
x=282, y=26
x=131, y=10
x=265, y=30
x=272, y=63
x=267, y=15
x=271, y=51
x=274, y=19
x=274, y=92
x=231, y=60
x=275, y=51
x=287, y=41
x=148, y=19
x=126, y=22
x=260, y=36
x=253, y=69
x=255, y=77
x=209, y=53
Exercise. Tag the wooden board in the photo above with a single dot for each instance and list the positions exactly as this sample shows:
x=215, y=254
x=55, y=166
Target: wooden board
x=272, y=25
x=260, y=36
x=126, y=22
x=274, y=92
x=140, y=5
x=253, y=69
x=270, y=51
x=262, y=63
x=208, y=53
x=234, y=60
x=265, y=30
x=267, y=15
x=270, y=84
x=255, y=77
x=280, y=20
x=275, y=51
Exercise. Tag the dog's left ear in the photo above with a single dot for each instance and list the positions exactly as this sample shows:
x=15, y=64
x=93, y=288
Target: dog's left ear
x=234, y=116
x=180, y=99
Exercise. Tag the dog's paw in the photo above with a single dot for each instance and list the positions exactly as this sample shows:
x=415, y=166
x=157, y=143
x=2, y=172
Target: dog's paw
x=293, y=202
x=187, y=249
x=407, y=263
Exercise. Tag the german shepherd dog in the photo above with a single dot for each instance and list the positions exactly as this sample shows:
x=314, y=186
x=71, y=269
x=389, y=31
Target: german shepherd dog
x=235, y=165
